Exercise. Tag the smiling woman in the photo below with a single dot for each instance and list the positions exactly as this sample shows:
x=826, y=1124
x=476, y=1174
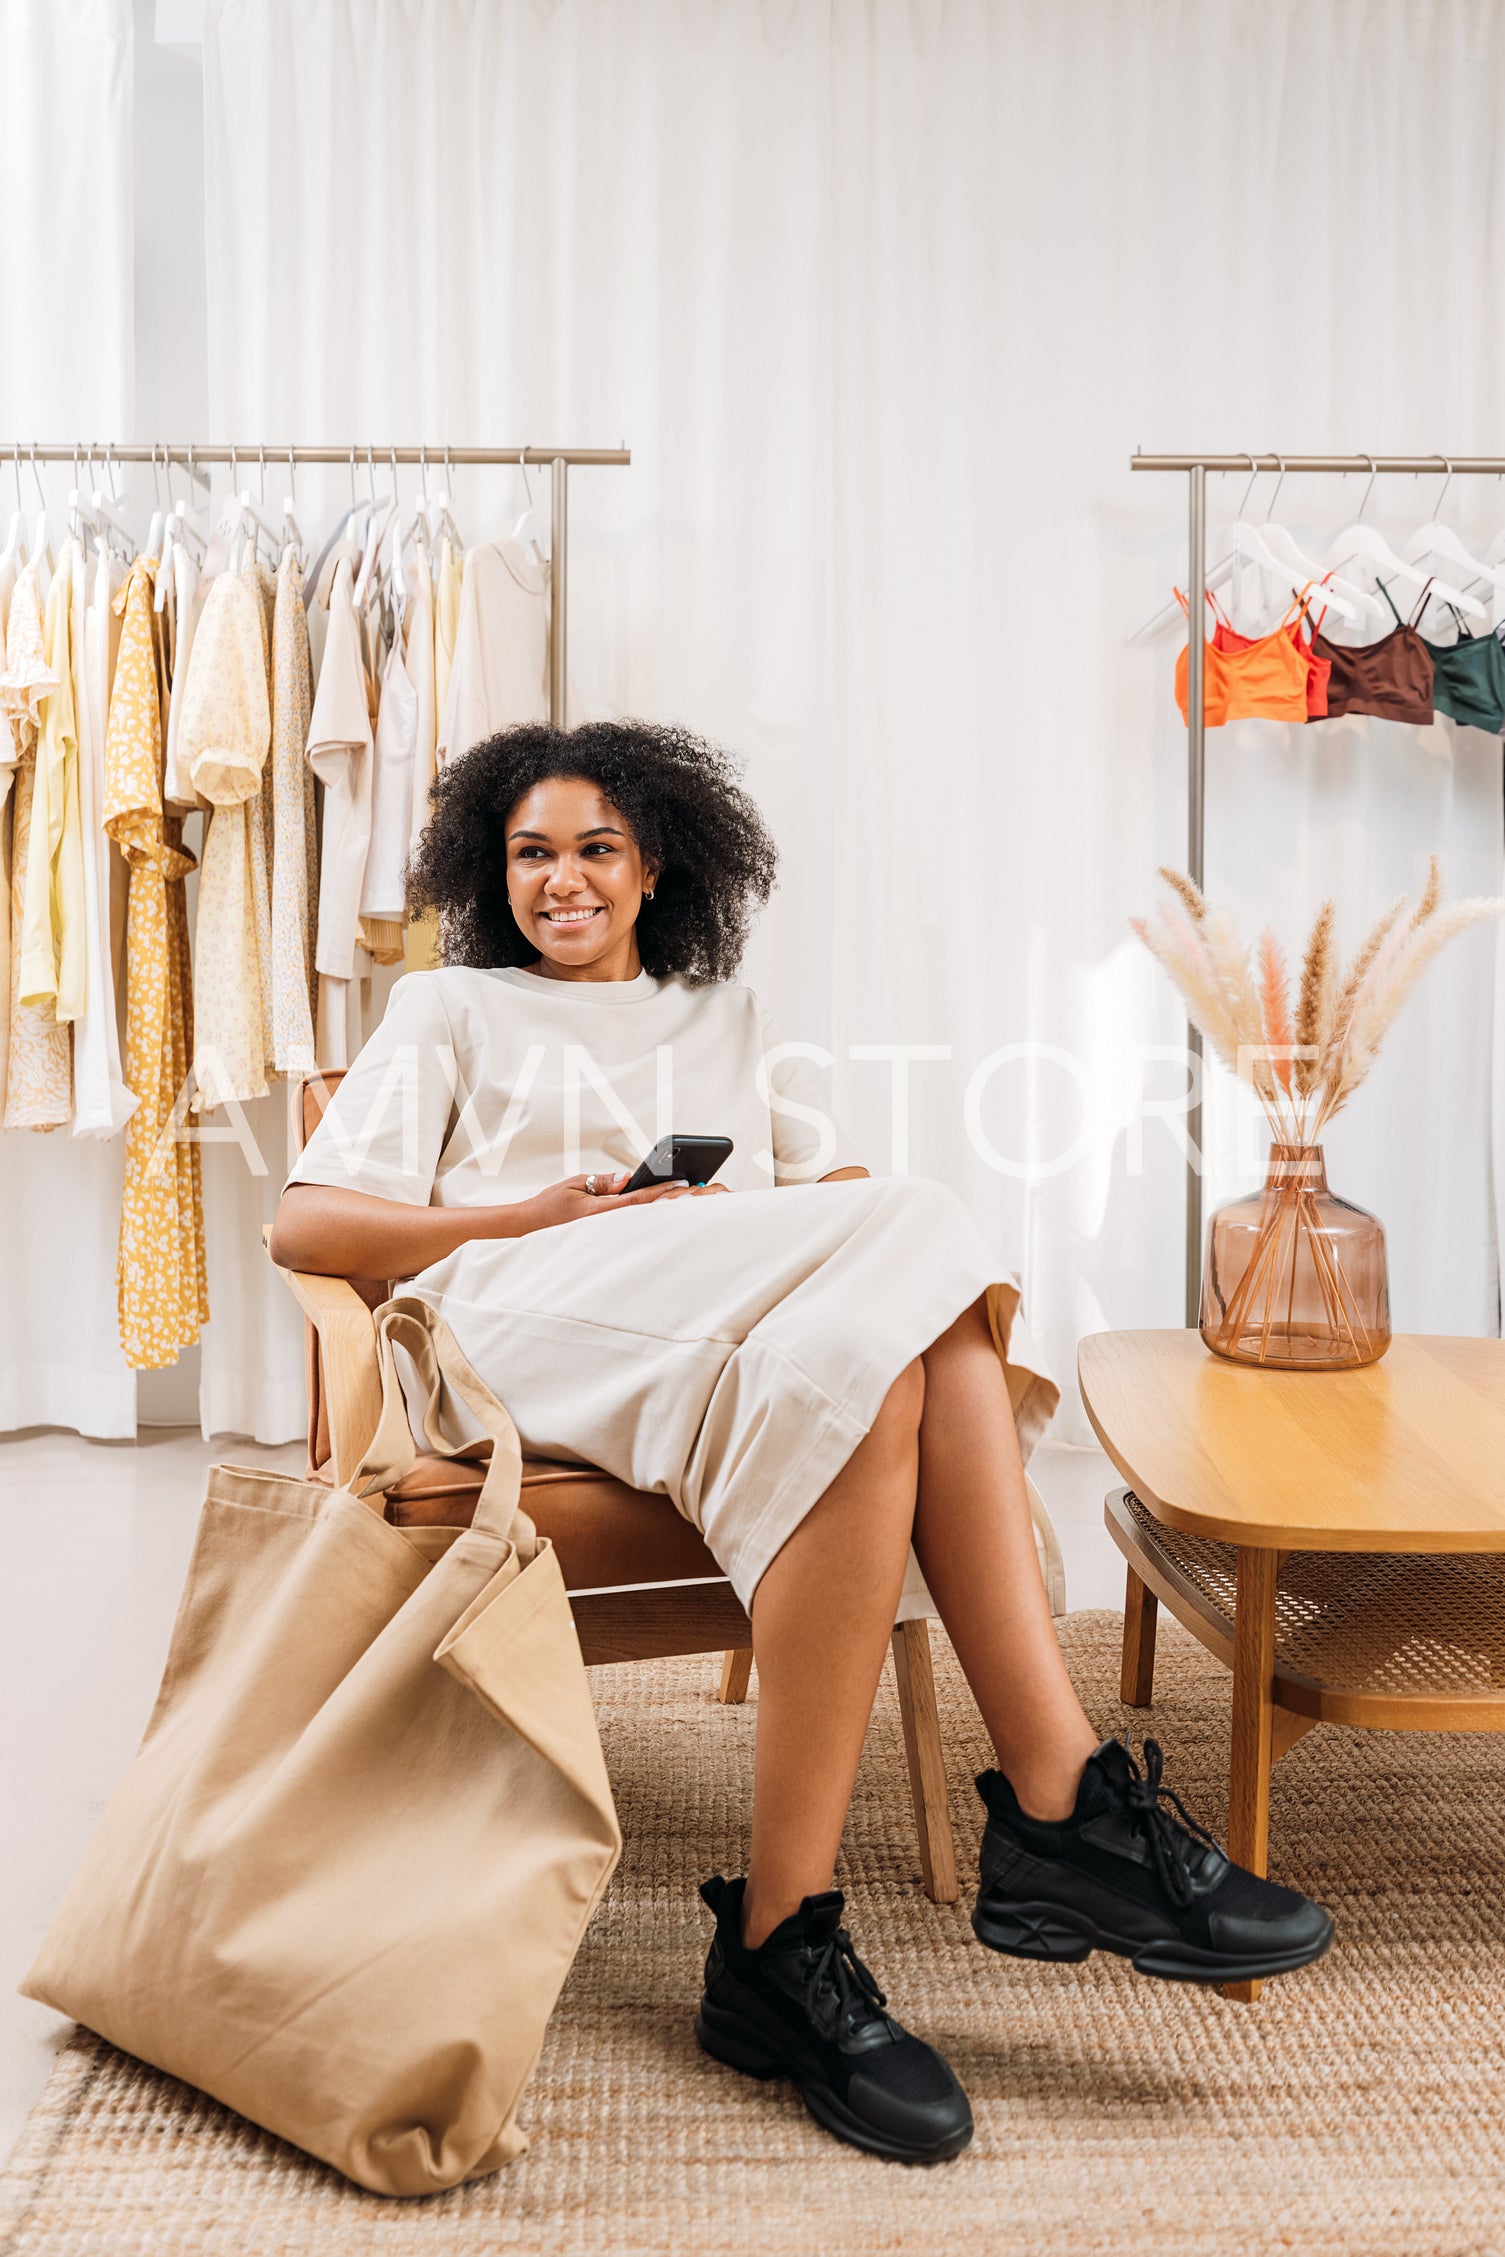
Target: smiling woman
x=815, y=1380
x=657, y=843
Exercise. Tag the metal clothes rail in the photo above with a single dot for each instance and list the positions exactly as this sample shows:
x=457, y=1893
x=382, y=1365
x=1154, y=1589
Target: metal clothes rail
x=560, y=461
x=1195, y=469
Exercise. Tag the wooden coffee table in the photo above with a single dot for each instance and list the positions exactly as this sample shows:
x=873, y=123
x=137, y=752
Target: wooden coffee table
x=1336, y=1538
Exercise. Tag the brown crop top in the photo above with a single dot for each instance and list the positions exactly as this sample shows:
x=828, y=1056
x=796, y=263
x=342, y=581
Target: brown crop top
x=1392, y=679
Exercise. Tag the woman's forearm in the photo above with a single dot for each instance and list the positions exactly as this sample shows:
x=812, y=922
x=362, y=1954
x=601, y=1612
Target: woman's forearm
x=349, y=1234
x=335, y=1233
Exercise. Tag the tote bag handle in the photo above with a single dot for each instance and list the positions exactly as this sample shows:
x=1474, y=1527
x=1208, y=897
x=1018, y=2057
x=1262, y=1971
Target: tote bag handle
x=414, y=1326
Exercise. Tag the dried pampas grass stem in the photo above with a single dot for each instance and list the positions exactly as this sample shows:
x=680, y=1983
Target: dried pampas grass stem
x=1244, y=1010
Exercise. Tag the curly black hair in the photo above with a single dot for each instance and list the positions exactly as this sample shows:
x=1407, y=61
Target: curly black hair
x=682, y=802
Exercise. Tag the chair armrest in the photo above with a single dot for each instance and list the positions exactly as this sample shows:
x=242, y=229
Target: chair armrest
x=1048, y=1546
x=351, y=1372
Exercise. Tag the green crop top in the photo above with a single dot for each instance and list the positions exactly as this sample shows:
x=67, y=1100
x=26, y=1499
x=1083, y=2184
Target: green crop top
x=1468, y=677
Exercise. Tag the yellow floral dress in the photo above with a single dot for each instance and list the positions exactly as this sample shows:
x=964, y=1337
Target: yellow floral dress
x=54, y=963
x=39, y=1078
x=160, y=1278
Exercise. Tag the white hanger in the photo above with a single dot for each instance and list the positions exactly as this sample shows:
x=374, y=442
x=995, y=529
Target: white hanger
x=376, y=533
x=527, y=529
x=187, y=532
x=1437, y=540
x=10, y=555
x=1361, y=540
x=257, y=510
x=106, y=512
x=342, y=525
x=239, y=516
x=81, y=518
x=169, y=537
x=159, y=516
x=394, y=576
x=1339, y=595
x=292, y=530
x=368, y=552
x=256, y=519
x=417, y=527
x=164, y=563
x=234, y=520
x=1249, y=546
x=248, y=513
x=440, y=519
x=113, y=524
x=38, y=561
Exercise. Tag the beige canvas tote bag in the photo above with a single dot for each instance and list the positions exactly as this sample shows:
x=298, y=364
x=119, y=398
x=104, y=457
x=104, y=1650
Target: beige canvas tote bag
x=343, y=1880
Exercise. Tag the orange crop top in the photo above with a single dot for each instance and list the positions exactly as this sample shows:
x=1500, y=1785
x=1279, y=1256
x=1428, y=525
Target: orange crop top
x=1269, y=679
x=1318, y=670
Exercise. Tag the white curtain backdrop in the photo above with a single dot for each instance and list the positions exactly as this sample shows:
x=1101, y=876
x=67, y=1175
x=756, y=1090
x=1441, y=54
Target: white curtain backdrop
x=65, y=367
x=883, y=294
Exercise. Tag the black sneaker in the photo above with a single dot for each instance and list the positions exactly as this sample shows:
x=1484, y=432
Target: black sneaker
x=803, y=2006
x=1121, y=1874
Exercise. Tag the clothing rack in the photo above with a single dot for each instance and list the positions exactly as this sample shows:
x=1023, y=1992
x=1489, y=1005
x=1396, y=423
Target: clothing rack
x=560, y=461
x=1195, y=469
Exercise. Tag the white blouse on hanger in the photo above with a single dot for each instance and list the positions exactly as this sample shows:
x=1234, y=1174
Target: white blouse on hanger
x=418, y=661
x=394, y=757
x=340, y=754
x=500, y=673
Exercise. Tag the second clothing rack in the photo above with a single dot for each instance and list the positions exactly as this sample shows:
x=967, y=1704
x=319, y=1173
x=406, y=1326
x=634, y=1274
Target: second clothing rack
x=1195, y=469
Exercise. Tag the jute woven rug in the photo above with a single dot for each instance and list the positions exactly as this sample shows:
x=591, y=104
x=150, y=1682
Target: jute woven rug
x=1359, y=2108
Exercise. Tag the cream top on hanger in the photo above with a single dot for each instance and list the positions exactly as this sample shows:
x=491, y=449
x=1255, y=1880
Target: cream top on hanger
x=500, y=672
x=340, y=754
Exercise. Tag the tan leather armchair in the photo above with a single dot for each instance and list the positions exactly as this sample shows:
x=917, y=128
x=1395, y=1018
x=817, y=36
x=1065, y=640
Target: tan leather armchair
x=641, y=1582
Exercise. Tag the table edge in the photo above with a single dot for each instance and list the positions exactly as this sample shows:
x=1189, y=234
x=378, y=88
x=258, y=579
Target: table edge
x=1265, y=1536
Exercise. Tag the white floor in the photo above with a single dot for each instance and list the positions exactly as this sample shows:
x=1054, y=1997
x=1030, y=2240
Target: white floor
x=95, y=1537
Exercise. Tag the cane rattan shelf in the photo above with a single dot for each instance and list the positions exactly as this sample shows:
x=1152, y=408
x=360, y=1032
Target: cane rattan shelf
x=1396, y=1639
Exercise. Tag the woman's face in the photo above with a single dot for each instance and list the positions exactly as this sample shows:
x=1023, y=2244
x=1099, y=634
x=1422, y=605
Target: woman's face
x=575, y=879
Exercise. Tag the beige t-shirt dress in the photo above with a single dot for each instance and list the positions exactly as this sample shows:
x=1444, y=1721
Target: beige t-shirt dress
x=729, y=1352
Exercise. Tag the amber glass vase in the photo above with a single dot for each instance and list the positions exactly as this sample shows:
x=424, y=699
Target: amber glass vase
x=1294, y=1277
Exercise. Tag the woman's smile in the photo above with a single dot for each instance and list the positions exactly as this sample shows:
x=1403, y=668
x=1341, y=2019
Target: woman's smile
x=562, y=835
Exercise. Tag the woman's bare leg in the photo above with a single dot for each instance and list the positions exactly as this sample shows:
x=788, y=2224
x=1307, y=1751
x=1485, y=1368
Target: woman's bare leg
x=976, y=1546
x=822, y=1616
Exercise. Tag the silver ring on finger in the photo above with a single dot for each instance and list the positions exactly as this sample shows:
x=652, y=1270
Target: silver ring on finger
x=591, y=1186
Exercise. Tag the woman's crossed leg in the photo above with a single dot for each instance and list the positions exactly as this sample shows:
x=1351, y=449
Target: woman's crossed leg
x=1077, y=1852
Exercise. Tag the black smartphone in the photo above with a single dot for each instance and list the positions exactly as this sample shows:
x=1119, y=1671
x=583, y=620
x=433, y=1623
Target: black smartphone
x=682, y=1159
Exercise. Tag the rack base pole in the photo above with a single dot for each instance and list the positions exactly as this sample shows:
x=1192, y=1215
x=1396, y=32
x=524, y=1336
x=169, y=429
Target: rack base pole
x=1196, y=816
x=559, y=566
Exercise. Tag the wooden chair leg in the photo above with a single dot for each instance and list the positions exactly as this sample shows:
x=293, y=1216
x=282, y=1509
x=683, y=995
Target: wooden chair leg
x=1137, y=1678
x=927, y=1769
x=1253, y=1722
x=736, y=1673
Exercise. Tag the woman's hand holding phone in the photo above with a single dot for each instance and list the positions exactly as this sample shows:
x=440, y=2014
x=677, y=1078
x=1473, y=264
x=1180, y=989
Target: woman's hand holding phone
x=567, y=1202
